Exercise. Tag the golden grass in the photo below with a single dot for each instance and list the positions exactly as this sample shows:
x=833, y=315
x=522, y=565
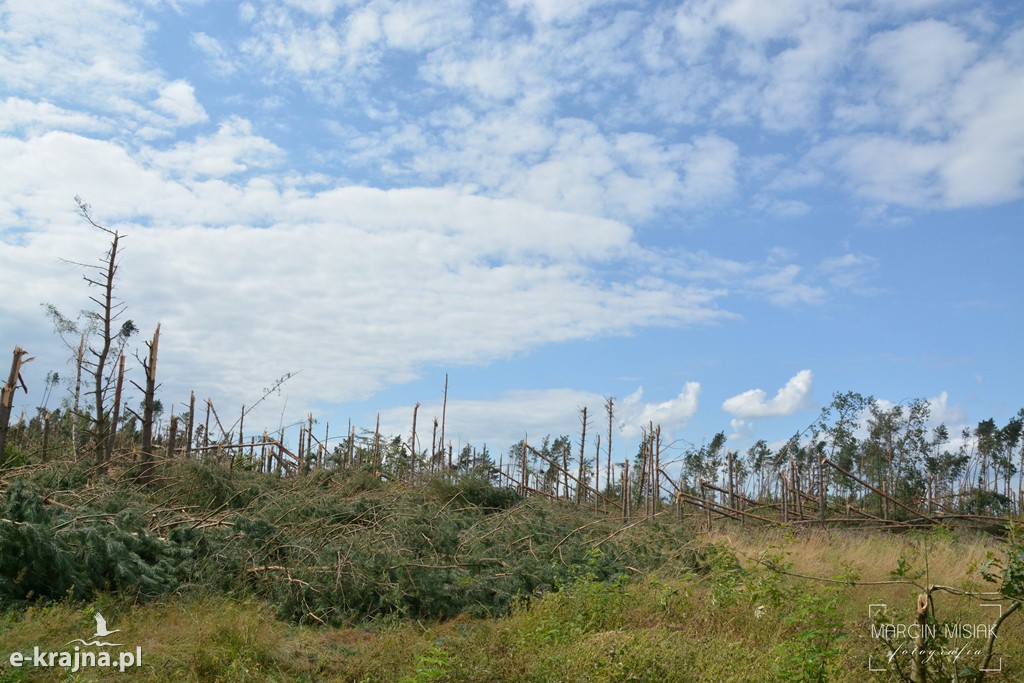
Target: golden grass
x=950, y=558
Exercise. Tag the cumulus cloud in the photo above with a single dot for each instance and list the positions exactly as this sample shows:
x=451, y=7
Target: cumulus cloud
x=789, y=399
x=672, y=414
x=178, y=100
x=234, y=148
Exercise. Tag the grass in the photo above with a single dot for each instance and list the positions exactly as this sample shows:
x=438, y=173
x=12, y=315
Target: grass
x=724, y=618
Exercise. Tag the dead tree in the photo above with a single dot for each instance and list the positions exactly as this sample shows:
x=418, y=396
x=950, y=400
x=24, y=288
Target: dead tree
x=412, y=442
x=116, y=408
x=444, y=415
x=583, y=445
x=107, y=342
x=148, y=405
x=102, y=337
x=7, y=394
x=609, y=405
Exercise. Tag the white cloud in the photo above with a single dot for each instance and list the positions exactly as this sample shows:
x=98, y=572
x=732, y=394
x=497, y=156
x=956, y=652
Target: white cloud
x=851, y=271
x=500, y=421
x=918, y=65
x=781, y=287
x=545, y=11
x=421, y=25
x=760, y=22
x=536, y=413
x=232, y=149
x=38, y=117
x=671, y=415
x=178, y=100
x=89, y=52
x=742, y=431
x=789, y=399
x=953, y=416
x=776, y=277
x=356, y=286
x=569, y=164
x=217, y=54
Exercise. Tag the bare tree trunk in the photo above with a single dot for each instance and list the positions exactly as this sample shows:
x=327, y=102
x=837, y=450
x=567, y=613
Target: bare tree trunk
x=7, y=394
x=433, y=448
x=823, y=484
x=46, y=436
x=524, y=480
x=583, y=445
x=206, y=426
x=351, y=446
x=376, y=445
x=627, y=504
x=189, y=432
x=444, y=415
x=116, y=409
x=326, y=444
x=412, y=442
x=149, y=404
x=76, y=409
x=564, y=473
x=101, y=428
x=642, y=477
x=610, y=407
x=172, y=436
x=310, y=448
x=732, y=490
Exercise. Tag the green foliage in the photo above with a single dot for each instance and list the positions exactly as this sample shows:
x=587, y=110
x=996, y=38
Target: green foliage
x=332, y=547
x=811, y=652
x=1008, y=572
x=45, y=552
x=432, y=666
x=580, y=607
x=12, y=457
x=474, y=489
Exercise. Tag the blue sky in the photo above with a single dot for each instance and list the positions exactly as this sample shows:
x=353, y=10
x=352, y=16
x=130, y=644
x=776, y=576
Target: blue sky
x=719, y=213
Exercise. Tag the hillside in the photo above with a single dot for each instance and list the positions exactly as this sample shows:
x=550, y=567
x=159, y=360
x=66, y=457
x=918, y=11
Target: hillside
x=221, y=574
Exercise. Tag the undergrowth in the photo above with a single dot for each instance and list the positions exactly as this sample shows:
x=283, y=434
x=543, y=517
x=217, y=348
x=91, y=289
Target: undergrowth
x=327, y=548
x=233, y=576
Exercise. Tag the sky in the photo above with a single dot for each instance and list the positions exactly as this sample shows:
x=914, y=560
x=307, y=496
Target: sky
x=718, y=213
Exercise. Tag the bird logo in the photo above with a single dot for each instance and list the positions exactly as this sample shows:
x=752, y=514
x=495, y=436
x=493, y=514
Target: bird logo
x=101, y=627
x=101, y=632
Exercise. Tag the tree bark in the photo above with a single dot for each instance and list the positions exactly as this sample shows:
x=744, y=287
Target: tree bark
x=149, y=407
x=7, y=395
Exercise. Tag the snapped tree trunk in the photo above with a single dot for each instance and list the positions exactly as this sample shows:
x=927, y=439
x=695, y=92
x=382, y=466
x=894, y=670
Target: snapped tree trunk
x=149, y=406
x=7, y=395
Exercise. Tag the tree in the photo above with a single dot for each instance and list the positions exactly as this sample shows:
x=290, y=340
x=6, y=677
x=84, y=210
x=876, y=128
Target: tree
x=1009, y=437
x=102, y=338
x=758, y=459
x=7, y=394
x=836, y=425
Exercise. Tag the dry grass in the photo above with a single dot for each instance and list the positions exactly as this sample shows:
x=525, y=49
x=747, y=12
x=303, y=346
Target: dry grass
x=950, y=557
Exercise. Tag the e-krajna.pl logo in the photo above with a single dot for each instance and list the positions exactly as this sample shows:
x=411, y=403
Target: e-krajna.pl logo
x=79, y=658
